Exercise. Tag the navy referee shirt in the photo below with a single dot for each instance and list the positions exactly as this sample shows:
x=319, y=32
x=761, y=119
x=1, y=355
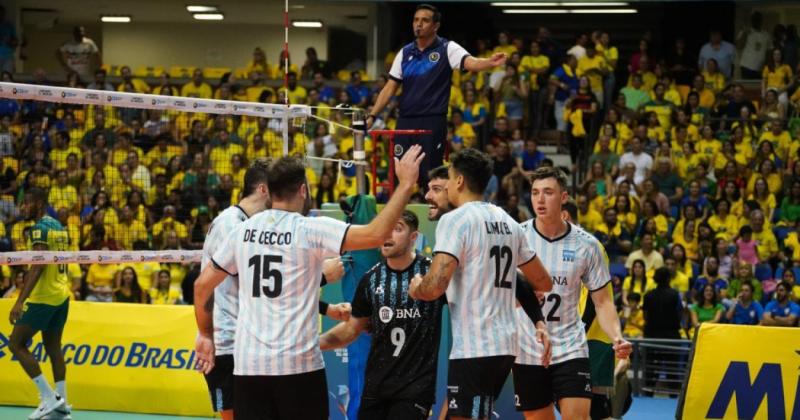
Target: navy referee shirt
x=426, y=76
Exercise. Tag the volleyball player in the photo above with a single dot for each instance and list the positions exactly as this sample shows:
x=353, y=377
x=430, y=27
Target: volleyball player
x=225, y=298
x=574, y=258
x=278, y=256
x=43, y=305
x=477, y=245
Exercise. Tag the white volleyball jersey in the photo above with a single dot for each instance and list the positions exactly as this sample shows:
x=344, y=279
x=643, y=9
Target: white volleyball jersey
x=574, y=260
x=489, y=245
x=226, y=295
x=278, y=257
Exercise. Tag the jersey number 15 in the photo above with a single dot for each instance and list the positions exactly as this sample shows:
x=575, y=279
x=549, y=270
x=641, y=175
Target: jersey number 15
x=262, y=271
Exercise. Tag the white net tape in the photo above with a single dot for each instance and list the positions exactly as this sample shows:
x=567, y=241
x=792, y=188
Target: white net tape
x=101, y=257
x=146, y=101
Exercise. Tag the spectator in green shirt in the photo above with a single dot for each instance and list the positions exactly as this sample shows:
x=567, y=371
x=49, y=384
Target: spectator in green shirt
x=707, y=309
x=790, y=206
x=635, y=96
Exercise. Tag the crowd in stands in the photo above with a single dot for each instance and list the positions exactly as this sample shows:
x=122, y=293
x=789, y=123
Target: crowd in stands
x=677, y=164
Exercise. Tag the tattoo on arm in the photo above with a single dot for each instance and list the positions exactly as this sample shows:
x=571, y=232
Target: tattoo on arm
x=436, y=281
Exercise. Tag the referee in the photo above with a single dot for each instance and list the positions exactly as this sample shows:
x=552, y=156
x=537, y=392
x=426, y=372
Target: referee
x=425, y=68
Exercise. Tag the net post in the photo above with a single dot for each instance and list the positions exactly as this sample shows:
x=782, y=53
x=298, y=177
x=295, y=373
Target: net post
x=359, y=154
x=286, y=131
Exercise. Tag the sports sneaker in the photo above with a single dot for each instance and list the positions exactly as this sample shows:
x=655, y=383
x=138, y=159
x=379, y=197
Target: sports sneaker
x=61, y=413
x=47, y=406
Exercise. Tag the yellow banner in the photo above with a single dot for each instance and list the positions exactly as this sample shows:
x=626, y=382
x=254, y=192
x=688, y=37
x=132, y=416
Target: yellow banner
x=744, y=372
x=119, y=357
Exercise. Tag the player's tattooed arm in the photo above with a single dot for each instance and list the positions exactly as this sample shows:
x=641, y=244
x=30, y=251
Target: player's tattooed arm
x=435, y=282
x=343, y=333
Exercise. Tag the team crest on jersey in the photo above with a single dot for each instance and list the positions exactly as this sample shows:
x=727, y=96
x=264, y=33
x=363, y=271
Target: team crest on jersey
x=379, y=290
x=568, y=255
x=398, y=150
x=434, y=57
x=386, y=314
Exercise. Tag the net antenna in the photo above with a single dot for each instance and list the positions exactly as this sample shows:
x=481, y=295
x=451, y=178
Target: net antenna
x=57, y=94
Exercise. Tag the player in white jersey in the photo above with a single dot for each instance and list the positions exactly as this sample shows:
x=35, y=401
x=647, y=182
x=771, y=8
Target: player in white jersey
x=278, y=257
x=574, y=258
x=225, y=298
x=478, y=246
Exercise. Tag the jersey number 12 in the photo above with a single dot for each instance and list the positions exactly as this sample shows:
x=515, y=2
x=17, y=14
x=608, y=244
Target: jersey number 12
x=262, y=271
x=502, y=264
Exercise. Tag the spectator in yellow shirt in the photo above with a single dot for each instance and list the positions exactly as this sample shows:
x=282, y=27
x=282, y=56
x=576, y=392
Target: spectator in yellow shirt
x=714, y=79
x=197, y=88
x=776, y=75
x=160, y=155
x=166, y=224
x=139, y=85
x=593, y=66
x=297, y=94
x=462, y=129
x=163, y=294
x=767, y=243
x=129, y=230
x=63, y=195
x=503, y=46
x=222, y=153
x=706, y=96
x=99, y=280
x=62, y=149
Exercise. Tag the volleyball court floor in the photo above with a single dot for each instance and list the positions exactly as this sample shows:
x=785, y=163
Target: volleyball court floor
x=649, y=408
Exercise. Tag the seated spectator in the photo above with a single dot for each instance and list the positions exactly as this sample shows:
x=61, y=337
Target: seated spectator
x=767, y=243
x=710, y=276
x=100, y=82
x=632, y=317
x=163, y=294
x=660, y=202
x=694, y=198
x=635, y=95
x=789, y=278
x=677, y=279
x=780, y=140
x=167, y=224
x=651, y=258
x=587, y=216
x=685, y=234
x=744, y=310
x=613, y=235
x=781, y=311
x=605, y=155
x=100, y=281
x=641, y=160
x=129, y=290
x=222, y=153
x=463, y=129
x=602, y=179
x=790, y=206
x=197, y=88
x=707, y=309
x=636, y=282
x=625, y=213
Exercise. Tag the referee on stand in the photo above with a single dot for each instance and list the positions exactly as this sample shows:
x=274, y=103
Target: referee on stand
x=425, y=68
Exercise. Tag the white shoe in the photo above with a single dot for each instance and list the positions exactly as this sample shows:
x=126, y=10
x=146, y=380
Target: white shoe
x=61, y=413
x=47, y=406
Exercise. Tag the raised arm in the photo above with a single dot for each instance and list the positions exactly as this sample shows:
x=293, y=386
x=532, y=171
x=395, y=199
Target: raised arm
x=372, y=235
x=482, y=64
x=343, y=333
x=435, y=282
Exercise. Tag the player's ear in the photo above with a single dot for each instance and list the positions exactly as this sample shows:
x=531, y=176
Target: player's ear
x=414, y=236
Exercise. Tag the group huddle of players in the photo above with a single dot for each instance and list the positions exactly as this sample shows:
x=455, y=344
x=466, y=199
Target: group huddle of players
x=513, y=292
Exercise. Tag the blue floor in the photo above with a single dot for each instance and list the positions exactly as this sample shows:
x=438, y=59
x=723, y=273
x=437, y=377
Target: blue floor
x=642, y=408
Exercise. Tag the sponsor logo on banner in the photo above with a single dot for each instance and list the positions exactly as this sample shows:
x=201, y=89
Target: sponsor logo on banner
x=760, y=378
x=66, y=94
x=259, y=109
x=92, y=96
x=38, y=258
x=126, y=257
x=46, y=92
x=137, y=100
x=83, y=258
x=220, y=106
x=113, y=98
x=180, y=103
x=11, y=260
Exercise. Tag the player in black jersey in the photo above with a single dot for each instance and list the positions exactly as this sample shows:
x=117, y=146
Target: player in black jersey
x=400, y=378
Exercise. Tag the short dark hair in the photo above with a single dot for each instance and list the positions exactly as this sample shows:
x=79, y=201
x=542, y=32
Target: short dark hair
x=257, y=173
x=475, y=166
x=662, y=276
x=571, y=207
x=785, y=285
x=749, y=284
x=38, y=195
x=439, y=173
x=437, y=16
x=410, y=219
x=634, y=297
x=285, y=176
x=550, y=172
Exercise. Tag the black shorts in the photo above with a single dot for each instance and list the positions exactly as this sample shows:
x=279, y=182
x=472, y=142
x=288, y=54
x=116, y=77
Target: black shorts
x=375, y=409
x=302, y=396
x=537, y=387
x=474, y=384
x=432, y=144
x=220, y=383
x=601, y=407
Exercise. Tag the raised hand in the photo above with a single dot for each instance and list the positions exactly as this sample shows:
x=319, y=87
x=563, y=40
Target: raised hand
x=407, y=168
